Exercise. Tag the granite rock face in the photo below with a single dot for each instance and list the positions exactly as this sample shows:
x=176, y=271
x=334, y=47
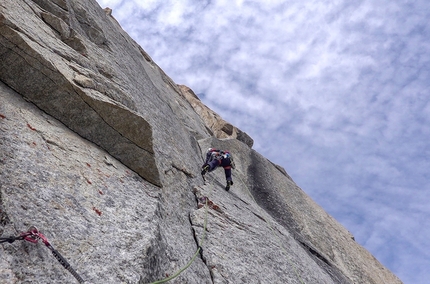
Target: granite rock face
x=218, y=127
x=101, y=151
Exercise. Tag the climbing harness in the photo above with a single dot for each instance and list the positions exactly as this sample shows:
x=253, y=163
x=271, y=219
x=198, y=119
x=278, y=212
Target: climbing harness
x=33, y=236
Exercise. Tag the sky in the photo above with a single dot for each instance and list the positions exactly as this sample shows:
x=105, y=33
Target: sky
x=336, y=92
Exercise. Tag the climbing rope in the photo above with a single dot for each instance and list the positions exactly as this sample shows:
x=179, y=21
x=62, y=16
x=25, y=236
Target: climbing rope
x=199, y=249
x=33, y=235
x=274, y=233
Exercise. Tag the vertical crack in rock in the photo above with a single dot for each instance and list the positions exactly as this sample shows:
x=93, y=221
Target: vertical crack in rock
x=314, y=252
x=196, y=239
x=267, y=197
x=323, y=262
x=4, y=218
x=153, y=268
x=273, y=203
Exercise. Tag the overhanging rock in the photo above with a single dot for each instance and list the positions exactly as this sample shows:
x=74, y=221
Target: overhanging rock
x=59, y=88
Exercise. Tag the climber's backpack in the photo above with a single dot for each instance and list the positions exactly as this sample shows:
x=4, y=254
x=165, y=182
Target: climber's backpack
x=228, y=155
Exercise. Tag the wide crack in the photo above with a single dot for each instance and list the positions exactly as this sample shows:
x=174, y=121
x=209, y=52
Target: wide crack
x=196, y=239
x=4, y=218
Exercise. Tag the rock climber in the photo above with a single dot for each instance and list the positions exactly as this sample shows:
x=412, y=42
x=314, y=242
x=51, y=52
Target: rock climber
x=216, y=158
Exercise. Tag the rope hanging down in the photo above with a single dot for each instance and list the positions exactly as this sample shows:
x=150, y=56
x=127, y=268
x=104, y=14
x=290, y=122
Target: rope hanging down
x=33, y=235
x=198, y=251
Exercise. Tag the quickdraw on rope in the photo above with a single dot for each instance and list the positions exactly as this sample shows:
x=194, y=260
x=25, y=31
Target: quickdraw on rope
x=33, y=235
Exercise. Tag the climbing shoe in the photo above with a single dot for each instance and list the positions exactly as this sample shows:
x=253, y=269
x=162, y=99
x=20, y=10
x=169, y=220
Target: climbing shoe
x=229, y=183
x=205, y=169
